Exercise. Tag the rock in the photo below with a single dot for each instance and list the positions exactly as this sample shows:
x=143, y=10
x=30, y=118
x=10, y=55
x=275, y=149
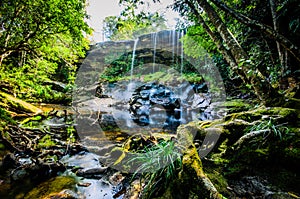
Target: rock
x=58, y=86
x=116, y=178
x=54, y=188
x=92, y=173
x=151, y=95
x=134, y=190
x=64, y=194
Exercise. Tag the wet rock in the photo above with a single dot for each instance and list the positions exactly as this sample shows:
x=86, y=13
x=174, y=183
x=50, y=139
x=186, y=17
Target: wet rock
x=200, y=88
x=82, y=184
x=92, y=173
x=134, y=190
x=58, y=86
x=151, y=95
x=9, y=161
x=64, y=194
x=116, y=178
x=256, y=187
x=54, y=188
x=36, y=171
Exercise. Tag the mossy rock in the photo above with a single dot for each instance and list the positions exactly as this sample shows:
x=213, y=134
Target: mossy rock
x=54, y=185
x=236, y=105
x=287, y=114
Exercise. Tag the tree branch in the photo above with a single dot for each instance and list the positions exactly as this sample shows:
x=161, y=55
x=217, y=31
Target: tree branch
x=287, y=44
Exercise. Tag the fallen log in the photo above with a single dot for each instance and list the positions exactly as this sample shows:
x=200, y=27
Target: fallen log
x=17, y=106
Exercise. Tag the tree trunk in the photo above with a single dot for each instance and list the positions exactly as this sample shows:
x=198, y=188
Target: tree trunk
x=215, y=38
x=192, y=170
x=287, y=44
x=263, y=89
x=275, y=26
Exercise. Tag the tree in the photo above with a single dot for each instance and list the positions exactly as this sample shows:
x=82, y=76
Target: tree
x=40, y=42
x=217, y=25
x=28, y=25
x=131, y=24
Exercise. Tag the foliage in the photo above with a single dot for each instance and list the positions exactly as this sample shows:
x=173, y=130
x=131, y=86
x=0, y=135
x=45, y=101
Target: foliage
x=5, y=118
x=158, y=166
x=130, y=25
x=119, y=68
x=28, y=25
x=41, y=41
x=270, y=127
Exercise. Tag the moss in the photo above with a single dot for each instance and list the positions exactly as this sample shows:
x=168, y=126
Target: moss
x=286, y=113
x=53, y=185
x=218, y=180
x=5, y=118
x=236, y=105
x=2, y=146
x=154, y=76
x=248, y=116
x=17, y=104
x=46, y=142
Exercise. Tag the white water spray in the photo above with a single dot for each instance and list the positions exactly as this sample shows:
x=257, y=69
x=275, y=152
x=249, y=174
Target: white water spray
x=133, y=57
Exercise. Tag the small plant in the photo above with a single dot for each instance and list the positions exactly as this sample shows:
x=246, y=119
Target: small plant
x=157, y=165
x=270, y=126
x=71, y=131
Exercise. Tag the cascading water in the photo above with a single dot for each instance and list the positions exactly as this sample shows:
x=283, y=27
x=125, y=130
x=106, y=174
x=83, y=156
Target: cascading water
x=133, y=57
x=154, y=50
x=181, y=72
x=173, y=44
x=130, y=87
x=182, y=54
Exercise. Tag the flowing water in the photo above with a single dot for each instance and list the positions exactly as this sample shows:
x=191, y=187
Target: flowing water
x=133, y=57
x=154, y=50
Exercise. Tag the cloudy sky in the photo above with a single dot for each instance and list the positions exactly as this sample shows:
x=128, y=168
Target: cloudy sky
x=99, y=9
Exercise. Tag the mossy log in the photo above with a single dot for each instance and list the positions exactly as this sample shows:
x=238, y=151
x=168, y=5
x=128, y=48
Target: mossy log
x=192, y=171
x=17, y=106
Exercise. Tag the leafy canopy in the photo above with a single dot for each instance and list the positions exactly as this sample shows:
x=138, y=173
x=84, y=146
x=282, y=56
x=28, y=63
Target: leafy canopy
x=41, y=42
x=132, y=23
x=28, y=25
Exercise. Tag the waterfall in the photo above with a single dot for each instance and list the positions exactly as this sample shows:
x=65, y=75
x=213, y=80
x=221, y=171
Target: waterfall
x=182, y=55
x=181, y=33
x=154, y=51
x=178, y=45
x=133, y=56
x=173, y=44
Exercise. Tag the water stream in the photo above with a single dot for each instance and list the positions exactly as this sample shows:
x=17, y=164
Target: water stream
x=133, y=57
x=154, y=50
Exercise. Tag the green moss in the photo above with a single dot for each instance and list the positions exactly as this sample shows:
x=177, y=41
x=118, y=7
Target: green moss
x=154, y=76
x=53, y=185
x=5, y=118
x=2, y=146
x=252, y=115
x=237, y=105
x=218, y=180
x=246, y=116
x=283, y=112
x=17, y=104
x=46, y=142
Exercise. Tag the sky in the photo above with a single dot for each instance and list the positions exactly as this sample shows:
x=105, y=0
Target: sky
x=99, y=9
